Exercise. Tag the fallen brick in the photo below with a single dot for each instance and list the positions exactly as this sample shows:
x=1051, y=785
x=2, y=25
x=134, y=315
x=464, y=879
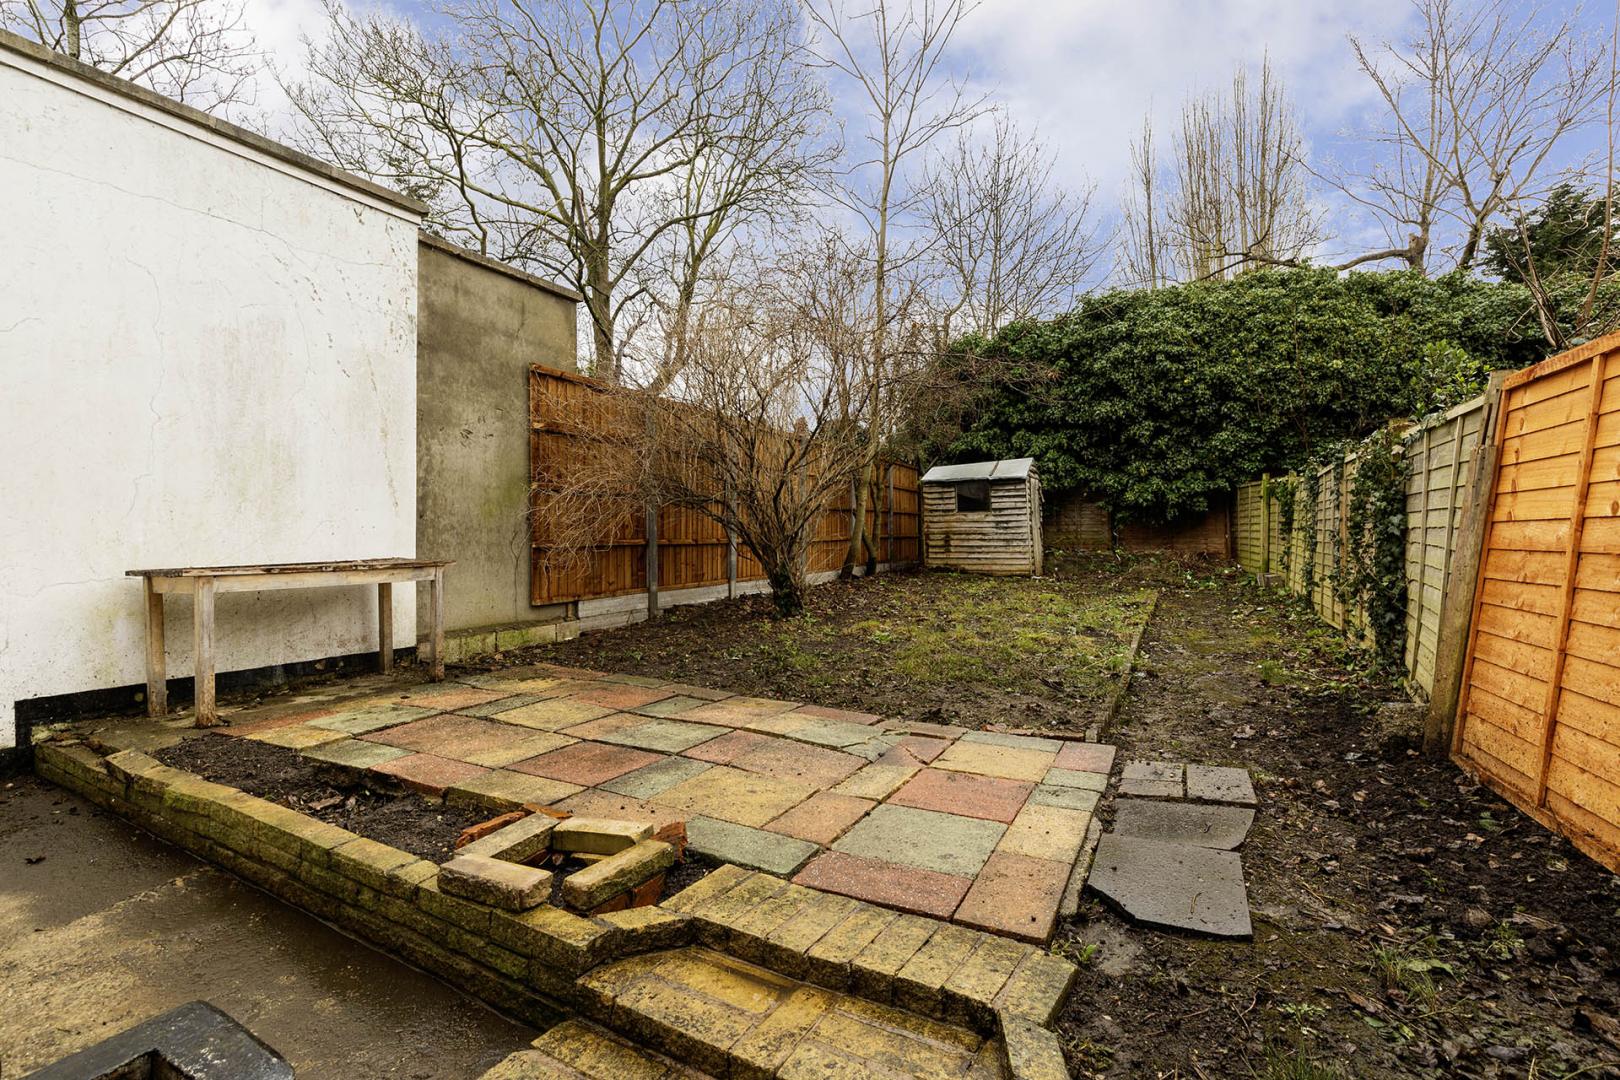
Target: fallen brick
x=495, y=882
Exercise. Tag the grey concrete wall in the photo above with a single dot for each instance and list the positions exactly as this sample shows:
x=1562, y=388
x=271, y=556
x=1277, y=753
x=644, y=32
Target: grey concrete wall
x=480, y=324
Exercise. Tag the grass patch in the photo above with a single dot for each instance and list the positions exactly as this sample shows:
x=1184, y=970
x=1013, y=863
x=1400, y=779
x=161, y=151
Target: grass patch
x=1029, y=636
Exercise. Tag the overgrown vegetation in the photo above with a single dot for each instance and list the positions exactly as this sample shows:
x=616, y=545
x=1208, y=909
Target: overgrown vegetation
x=1373, y=575
x=1160, y=402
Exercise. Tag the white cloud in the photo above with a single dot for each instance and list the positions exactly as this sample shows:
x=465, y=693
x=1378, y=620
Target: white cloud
x=1086, y=72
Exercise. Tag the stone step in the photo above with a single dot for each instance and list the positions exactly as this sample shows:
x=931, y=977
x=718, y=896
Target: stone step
x=731, y=1018
x=935, y=969
x=576, y=1050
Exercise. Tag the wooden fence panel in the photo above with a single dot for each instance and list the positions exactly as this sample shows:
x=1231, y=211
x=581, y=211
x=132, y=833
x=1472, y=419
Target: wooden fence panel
x=1440, y=452
x=1539, y=715
x=693, y=550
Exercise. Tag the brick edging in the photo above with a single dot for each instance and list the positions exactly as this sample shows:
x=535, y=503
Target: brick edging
x=524, y=964
x=527, y=964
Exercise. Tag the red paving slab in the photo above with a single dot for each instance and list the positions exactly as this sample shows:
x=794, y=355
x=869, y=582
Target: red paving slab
x=728, y=747
x=987, y=797
x=586, y=763
x=791, y=760
x=914, y=750
x=429, y=773
x=921, y=892
x=822, y=818
x=838, y=714
x=621, y=696
x=449, y=735
x=1015, y=895
x=1085, y=757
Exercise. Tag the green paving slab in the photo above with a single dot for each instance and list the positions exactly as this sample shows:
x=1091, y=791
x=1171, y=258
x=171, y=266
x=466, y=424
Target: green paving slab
x=745, y=846
x=501, y=790
x=353, y=753
x=1069, y=778
x=1016, y=742
x=1070, y=798
x=834, y=733
x=670, y=706
x=372, y=718
x=500, y=705
x=926, y=839
x=660, y=776
x=666, y=736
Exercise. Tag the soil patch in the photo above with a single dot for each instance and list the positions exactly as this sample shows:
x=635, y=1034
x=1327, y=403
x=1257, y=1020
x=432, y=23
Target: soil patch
x=938, y=647
x=1407, y=921
x=426, y=829
x=420, y=826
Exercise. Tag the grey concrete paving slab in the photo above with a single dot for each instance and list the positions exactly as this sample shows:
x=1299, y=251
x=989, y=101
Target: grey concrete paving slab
x=1173, y=886
x=1214, y=783
x=1221, y=827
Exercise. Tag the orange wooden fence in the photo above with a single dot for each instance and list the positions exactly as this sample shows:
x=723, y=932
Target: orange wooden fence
x=692, y=548
x=1539, y=714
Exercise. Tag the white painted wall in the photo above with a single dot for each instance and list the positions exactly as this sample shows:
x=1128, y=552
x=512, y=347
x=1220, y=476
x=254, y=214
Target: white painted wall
x=207, y=356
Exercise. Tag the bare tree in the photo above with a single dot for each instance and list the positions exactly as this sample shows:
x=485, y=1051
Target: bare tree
x=1475, y=105
x=196, y=51
x=890, y=57
x=1012, y=243
x=1240, y=198
x=755, y=433
x=1537, y=264
x=581, y=138
x=1143, y=260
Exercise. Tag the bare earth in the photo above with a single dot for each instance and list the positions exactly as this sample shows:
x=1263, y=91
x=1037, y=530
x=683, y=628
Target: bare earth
x=1407, y=922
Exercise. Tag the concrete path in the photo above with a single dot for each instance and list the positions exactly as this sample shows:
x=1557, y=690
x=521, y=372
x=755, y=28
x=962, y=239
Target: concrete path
x=111, y=927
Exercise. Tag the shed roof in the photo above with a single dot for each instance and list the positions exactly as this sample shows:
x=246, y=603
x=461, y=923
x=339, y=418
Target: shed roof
x=1010, y=469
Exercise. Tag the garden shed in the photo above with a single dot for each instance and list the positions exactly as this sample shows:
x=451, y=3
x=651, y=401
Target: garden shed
x=984, y=516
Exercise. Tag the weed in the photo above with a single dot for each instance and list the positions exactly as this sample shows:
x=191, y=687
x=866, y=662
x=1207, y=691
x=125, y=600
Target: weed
x=1272, y=673
x=1502, y=942
x=1078, y=953
x=1409, y=973
x=1293, y=1063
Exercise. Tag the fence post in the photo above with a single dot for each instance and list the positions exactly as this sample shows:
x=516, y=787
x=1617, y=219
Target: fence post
x=1462, y=578
x=731, y=545
x=888, y=525
x=651, y=561
x=1265, y=526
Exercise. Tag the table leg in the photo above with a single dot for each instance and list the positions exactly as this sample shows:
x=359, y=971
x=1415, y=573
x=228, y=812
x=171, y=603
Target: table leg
x=157, y=679
x=436, y=630
x=202, y=626
x=385, y=626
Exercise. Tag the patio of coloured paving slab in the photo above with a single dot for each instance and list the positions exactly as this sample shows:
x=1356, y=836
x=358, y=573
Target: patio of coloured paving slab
x=982, y=828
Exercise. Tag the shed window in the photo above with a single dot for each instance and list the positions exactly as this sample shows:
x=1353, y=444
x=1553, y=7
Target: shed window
x=972, y=496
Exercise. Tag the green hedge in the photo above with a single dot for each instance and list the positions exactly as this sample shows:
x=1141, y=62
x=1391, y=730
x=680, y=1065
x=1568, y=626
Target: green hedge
x=1158, y=402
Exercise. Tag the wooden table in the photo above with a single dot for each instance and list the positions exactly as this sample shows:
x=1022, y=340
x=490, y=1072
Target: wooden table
x=202, y=582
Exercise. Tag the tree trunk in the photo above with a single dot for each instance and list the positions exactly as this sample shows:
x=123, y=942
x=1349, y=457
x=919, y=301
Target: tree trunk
x=857, y=527
x=72, y=34
x=599, y=304
x=788, y=585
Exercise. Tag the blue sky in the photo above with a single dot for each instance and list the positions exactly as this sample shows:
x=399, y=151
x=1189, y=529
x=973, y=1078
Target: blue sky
x=1085, y=71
